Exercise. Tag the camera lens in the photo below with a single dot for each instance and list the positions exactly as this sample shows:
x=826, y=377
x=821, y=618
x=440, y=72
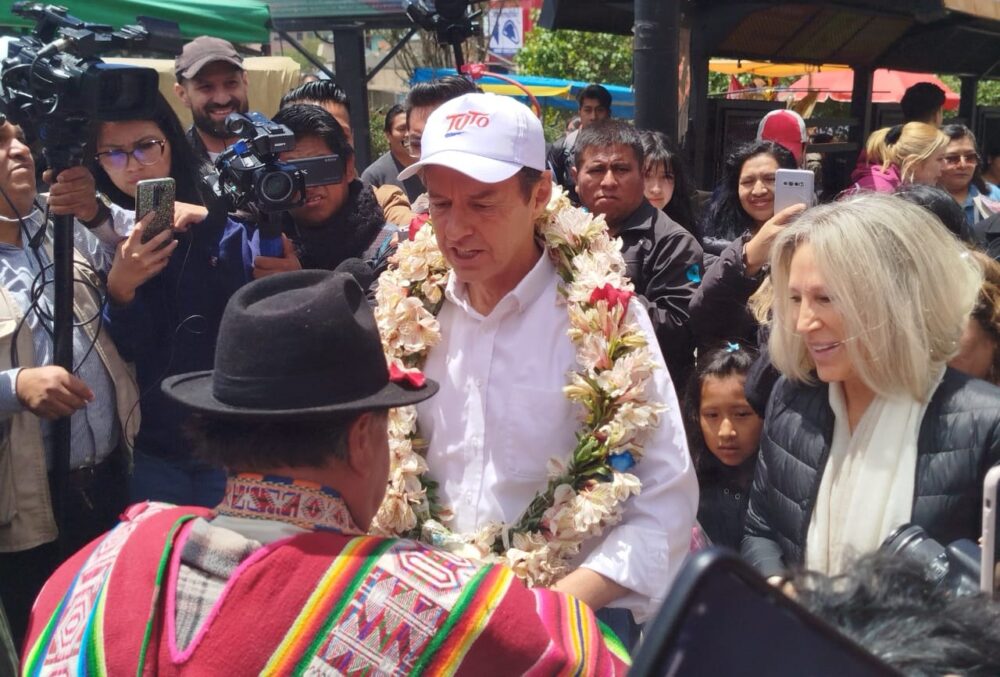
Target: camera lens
x=912, y=542
x=276, y=187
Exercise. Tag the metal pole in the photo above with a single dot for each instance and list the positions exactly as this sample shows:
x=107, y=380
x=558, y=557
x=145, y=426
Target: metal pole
x=392, y=52
x=349, y=53
x=655, y=63
x=62, y=356
x=310, y=57
x=459, y=57
x=967, y=102
x=861, y=105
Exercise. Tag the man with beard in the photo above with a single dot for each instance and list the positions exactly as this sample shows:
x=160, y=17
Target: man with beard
x=212, y=83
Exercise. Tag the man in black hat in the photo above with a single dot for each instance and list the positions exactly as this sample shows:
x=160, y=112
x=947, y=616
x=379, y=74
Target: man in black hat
x=280, y=578
x=212, y=83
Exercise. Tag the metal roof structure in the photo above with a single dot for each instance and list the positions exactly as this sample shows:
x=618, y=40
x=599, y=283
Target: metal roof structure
x=961, y=37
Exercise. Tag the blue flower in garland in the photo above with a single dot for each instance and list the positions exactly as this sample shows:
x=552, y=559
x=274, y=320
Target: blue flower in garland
x=622, y=462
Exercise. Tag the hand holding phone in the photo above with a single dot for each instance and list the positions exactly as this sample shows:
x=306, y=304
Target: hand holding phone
x=155, y=195
x=988, y=578
x=792, y=187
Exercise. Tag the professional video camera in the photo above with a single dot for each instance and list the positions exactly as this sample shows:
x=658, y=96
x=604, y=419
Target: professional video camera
x=52, y=84
x=955, y=567
x=252, y=177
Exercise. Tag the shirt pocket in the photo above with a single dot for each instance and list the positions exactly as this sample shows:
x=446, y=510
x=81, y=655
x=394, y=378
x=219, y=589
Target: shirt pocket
x=540, y=424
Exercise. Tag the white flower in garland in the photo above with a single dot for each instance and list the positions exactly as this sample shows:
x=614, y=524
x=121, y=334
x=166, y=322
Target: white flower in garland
x=587, y=490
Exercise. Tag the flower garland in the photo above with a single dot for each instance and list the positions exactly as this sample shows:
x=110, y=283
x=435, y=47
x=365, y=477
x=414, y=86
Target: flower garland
x=586, y=492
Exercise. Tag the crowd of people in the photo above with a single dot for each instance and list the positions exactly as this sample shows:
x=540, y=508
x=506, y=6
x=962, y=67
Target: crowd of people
x=794, y=385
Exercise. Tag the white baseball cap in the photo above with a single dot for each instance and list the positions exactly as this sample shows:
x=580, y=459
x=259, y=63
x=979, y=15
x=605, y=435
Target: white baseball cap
x=485, y=136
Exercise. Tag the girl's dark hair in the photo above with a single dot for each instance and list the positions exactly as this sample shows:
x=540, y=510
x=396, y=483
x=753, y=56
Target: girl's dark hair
x=725, y=217
x=957, y=133
x=729, y=359
x=659, y=149
x=185, y=168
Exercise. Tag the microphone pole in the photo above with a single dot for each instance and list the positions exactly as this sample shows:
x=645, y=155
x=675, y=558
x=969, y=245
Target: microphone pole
x=62, y=149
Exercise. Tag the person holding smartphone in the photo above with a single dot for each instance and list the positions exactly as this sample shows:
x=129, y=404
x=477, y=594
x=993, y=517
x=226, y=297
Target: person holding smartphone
x=166, y=293
x=743, y=221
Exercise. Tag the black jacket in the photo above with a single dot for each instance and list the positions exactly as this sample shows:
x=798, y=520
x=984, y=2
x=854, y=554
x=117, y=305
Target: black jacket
x=560, y=158
x=357, y=230
x=723, y=495
x=663, y=260
x=719, y=309
x=959, y=440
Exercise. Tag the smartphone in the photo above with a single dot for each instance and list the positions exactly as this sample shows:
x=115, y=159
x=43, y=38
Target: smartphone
x=792, y=187
x=718, y=600
x=988, y=582
x=155, y=195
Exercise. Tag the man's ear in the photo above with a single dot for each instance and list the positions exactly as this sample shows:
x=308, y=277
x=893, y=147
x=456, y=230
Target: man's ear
x=541, y=194
x=182, y=94
x=572, y=173
x=359, y=444
x=349, y=172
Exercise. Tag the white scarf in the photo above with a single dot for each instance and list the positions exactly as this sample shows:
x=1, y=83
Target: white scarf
x=868, y=482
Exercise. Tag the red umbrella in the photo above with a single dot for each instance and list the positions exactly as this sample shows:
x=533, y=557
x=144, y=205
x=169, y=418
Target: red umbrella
x=887, y=86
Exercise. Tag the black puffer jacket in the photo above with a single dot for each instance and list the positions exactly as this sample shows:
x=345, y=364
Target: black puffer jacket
x=959, y=440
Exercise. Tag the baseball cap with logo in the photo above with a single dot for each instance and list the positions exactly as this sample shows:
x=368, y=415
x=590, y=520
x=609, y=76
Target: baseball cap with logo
x=488, y=137
x=785, y=128
x=202, y=51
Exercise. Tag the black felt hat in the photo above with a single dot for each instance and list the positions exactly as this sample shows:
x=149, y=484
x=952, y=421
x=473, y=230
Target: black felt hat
x=293, y=346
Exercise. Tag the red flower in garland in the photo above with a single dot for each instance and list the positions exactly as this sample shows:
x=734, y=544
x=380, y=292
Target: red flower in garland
x=411, y=378
x=612, y=295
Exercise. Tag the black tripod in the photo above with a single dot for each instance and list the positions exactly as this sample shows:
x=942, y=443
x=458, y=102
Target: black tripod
x=63, y=148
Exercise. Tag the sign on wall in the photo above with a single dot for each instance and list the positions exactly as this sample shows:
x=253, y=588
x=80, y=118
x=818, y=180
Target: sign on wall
x=505, y=27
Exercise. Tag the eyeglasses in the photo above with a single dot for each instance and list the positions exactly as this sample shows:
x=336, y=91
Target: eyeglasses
x=412, y=146
x=970, y=159
x=146, y=152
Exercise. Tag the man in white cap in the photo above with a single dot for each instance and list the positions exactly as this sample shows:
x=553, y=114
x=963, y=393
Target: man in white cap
x=504, y=356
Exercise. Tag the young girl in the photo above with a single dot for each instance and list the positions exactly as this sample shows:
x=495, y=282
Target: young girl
x=667, y=185
x=723, y=435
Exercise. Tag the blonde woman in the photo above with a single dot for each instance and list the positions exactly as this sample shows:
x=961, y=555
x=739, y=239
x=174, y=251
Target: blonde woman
x=867, y=429
x=910, y=153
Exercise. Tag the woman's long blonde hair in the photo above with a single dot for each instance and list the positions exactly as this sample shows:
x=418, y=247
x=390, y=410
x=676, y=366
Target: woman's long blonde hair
x=916, y=142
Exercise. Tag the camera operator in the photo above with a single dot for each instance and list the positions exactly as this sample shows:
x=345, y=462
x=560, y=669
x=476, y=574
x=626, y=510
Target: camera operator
x=98, y=394
x=337, y=221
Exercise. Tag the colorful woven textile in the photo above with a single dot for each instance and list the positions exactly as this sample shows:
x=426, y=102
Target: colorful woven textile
x=297, y=502
x=317, y=603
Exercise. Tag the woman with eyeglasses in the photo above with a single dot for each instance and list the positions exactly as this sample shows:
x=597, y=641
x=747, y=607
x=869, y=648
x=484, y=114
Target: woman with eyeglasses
x=166, y=296
x=963, y=179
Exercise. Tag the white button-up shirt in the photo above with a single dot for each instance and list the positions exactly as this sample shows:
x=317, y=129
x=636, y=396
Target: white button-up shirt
x=501, y=414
